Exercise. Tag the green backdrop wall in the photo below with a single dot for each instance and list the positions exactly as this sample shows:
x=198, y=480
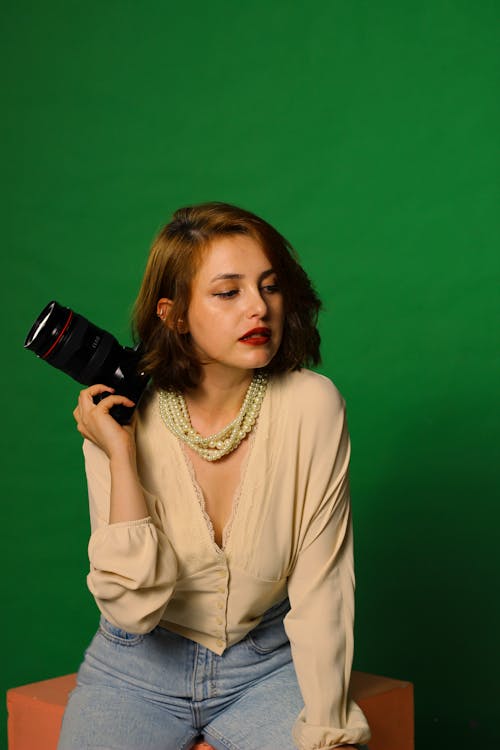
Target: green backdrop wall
x=367, y=132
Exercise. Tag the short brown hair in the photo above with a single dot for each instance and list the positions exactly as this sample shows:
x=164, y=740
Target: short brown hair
x=175, y=256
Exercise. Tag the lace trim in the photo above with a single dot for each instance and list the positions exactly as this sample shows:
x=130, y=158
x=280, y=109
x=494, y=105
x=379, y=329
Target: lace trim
x=199, y=493
x=226, y=532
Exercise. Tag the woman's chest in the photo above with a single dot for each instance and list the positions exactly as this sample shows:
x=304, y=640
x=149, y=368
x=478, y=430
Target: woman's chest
x=219, y=483
x=245, y=504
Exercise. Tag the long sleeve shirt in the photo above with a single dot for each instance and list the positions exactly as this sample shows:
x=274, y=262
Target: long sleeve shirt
x=290, y=533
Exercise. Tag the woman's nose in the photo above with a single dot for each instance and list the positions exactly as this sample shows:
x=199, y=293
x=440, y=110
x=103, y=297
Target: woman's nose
x=256, y=305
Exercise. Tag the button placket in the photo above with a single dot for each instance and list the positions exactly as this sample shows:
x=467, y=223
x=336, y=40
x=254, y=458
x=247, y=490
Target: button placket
x=220, y=606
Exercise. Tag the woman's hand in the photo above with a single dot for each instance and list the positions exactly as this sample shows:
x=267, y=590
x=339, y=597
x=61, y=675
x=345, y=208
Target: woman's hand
x=95, y=423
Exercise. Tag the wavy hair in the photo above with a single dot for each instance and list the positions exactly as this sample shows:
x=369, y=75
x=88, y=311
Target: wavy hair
x=168, y=354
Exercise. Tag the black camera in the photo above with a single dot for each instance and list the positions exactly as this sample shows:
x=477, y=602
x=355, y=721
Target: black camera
x=88, y=354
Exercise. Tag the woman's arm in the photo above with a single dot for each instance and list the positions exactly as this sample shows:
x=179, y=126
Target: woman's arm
x=320, y=628
x=133, y=567
x=321, y=588
x=95, y=423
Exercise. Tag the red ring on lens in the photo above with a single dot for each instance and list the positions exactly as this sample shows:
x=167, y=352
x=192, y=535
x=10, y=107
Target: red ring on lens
x=63, y=331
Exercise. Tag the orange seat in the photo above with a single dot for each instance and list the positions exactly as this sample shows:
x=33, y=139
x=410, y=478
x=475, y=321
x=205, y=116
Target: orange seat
x=36, y=710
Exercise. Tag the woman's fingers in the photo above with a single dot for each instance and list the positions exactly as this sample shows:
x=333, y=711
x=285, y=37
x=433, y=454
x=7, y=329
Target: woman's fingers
x=87, y=404
x=94, y=390
x=94, y=422
x=112, y=400
x=86, y=396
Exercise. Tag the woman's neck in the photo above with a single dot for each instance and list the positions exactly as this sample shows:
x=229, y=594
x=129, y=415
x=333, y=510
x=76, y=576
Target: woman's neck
x=217, y=399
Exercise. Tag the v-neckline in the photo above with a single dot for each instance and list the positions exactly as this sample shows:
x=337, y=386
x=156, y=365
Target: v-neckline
x=235, y=502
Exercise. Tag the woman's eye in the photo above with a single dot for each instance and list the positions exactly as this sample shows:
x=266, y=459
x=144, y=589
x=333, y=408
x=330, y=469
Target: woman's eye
x=226, y=295
x=271, y=288
x=267, y=289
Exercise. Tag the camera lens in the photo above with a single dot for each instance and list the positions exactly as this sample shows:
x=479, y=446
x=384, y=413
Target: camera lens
x=70, y=342
x=88, y=354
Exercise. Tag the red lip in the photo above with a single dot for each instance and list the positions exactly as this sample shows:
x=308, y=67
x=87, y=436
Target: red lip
x=263, y=332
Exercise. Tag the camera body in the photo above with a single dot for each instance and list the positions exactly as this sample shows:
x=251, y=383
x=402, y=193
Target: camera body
x=89, y=354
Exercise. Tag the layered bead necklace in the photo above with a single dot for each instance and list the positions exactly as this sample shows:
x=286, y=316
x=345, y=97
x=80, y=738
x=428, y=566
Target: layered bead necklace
x=174, y=412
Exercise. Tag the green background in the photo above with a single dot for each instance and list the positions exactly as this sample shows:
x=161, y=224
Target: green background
x=367, y=132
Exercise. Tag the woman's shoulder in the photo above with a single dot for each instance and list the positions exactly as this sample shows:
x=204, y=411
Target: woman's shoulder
x=149, y=428
x=308, y=392
x=147, y=401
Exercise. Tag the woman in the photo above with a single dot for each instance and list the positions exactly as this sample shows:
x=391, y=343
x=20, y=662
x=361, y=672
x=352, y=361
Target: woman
x=221, y=548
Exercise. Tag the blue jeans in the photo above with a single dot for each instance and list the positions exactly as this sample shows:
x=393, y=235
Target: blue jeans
x=161, y=691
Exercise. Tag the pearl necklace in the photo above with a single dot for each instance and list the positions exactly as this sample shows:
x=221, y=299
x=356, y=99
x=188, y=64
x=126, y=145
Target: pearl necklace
x=174, y=412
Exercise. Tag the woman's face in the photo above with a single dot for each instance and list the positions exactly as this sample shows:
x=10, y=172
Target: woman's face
x=235, y=316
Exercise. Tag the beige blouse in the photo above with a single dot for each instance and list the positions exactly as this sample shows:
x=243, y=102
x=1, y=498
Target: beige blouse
x=289, y=534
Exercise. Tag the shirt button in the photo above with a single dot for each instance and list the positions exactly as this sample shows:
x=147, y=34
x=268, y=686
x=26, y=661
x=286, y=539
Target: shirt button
x=220, y=605
x=219, y=621
x=222, y=573
x=221, y=590
x=219, y=642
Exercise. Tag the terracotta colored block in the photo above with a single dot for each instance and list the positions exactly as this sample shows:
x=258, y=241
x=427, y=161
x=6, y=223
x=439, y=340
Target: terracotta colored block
x=35, y=713
x=388, y=706
x=36, y=710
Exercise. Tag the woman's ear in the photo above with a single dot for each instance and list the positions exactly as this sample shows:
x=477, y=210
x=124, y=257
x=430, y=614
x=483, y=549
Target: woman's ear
x=163, y=308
